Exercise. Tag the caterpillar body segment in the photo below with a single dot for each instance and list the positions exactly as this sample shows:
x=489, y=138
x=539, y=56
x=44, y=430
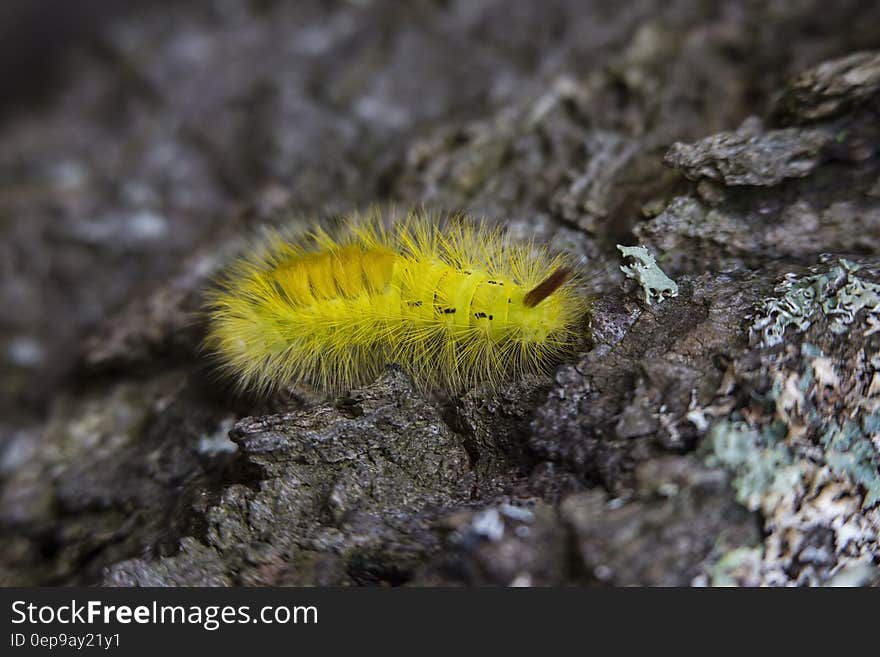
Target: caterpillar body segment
x=453, y=302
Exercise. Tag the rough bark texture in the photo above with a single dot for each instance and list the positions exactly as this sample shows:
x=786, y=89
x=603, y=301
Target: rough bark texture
x=728, y=435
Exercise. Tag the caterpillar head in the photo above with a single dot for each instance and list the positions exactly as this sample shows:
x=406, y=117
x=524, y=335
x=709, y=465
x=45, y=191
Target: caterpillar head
x=545, y=308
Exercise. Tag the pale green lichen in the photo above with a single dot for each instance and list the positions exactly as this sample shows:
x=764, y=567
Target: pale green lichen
x=737, y=565
x=849, y=453
x=654, y=283
x=849, y=450
x=805, y=454
x=806, y=457
x=764, y=468
x=776, y=475
x=838, y=294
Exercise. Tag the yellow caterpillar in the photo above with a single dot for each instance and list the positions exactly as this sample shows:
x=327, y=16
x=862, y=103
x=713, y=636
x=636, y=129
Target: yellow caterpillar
x=451, y=301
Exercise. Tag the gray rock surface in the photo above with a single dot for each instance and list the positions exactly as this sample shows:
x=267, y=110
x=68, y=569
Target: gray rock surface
x=728, y=435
